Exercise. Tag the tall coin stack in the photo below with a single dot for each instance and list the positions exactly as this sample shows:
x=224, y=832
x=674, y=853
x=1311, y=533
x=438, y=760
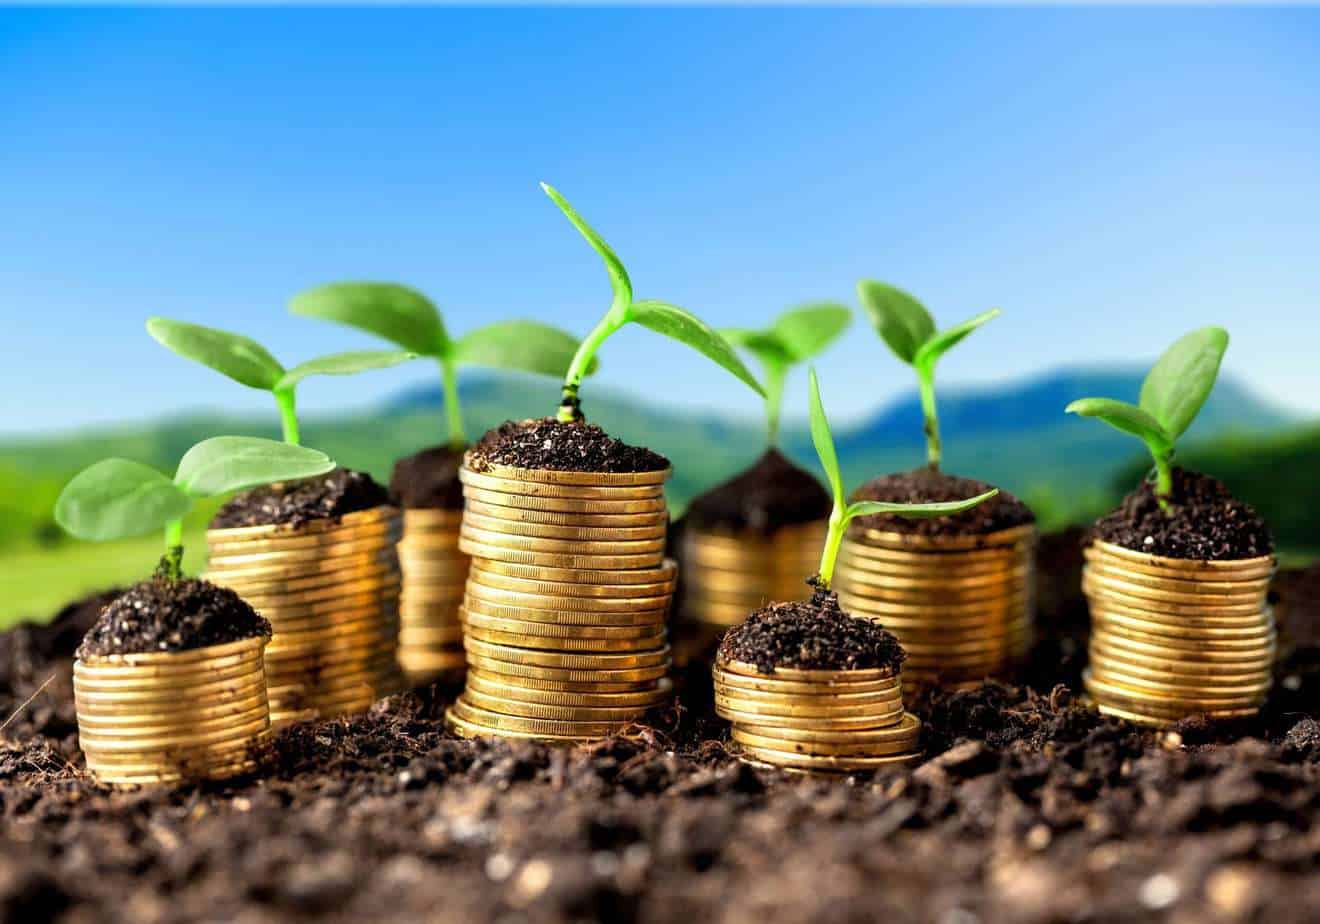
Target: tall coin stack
x=1176, y=637
x=830, y=721
x=567, y=597
x=330, y=589
x=165, y=717
x=962, y=606
x=434, y=574
x=727, y=575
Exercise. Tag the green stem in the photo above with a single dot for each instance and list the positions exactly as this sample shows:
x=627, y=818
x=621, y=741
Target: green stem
x=774, y=400
x=570, y=408
x=926, y=386
x=833, y=539
x=453, y=411
x=171, y=565
x=288, y=405
x=1163, y=477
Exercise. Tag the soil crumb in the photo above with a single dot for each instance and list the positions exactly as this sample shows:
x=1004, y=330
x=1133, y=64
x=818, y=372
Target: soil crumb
x=167, y=615
x=772, y=493
x=926, y=485
x=552, y=444
x=811, y=634
x=428, y=480
x=326, y=497
x=1206, y=523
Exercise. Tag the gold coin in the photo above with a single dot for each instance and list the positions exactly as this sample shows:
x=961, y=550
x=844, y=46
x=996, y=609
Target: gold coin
x=1174, y=649
x=382, y=532
x=387, y=589
x=808, y=675
x=163, y=778
x=472, y=730
x=819, y=699
x=565, y=504
x=377, y=570
x=465, y=711
x=323, y=555
x=383, y=513
x=97, y=670
x=493, y=686
x=326, y=609
x=95, y=730
x=868, y=715
x=116, y=744
x=481, y=574
x=534, y=710
x=196, y=764
x=167, y=687
x=828, y=763
x=208, y=653
x=497, y=611
x=278, y=572
x=932, y=567
x=925, y=597
x=208, y=694
x=547, y=630
x=542, y=489
x=183, y=712
x=1175, y=667
x=770, y=684
x=575, y=674
x=496, y=595
x=1257, y=645
x=819, y=723
x=1253, y=629
x=1242, y=568
x=666, y=572
x=239, y=748
x=1259, y=618
x=906, y=729
x=591, y=646
x=555, y=476
x=659, y=686
x=555, y=560
x=950, y=611
x=432, y=517
x=1146, y=587
x=848, y=749
x=435, y=573
x=1151, y=698
x=657, y=531
x=431, y=634
x=1111, y=674
x=1108, y=597
x=608, y=520
x=326, y=658
x=971, y=548
x=417, y=661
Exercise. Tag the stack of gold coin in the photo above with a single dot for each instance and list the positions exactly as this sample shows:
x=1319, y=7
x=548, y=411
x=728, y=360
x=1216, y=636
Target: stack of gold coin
x=330, y=589
x=962, y=606
x=830, y=721
x=1176, y=637
x=727, y=575
x=434, y=573
x=566, y=602
x=165, y=717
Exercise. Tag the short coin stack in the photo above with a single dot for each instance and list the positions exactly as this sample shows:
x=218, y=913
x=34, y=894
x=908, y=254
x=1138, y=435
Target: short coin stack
x=962, y=606
x=434, y=573
x=830, y=721
x=567, y=597
x=165, y=717
x=1175, y=637
x=330, y=589
x=727, y=575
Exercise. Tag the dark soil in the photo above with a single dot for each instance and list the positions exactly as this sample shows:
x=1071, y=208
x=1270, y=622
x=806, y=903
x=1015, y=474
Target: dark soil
x=326, y=497
x=428, y=480
x=1026, y=809
x=772, y=493
x=811, y=634
x=171, y=615
x=563, y=447
x=1205, y=522
x=926, y=485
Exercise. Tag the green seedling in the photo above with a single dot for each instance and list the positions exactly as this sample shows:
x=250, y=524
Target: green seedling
x=249, y=363
x=408, y=318
x=794, y=337
x=1173, y=393
x=909, y=330
x=844, y=512
x=670, y=320
x=118, y=498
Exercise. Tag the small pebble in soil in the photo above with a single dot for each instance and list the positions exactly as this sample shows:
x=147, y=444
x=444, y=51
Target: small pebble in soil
x=171, y=615
x=326, y=497
x=813, y=634
x=547, y=443
x=772, y=493
x=1204, y=523
x=928, y=485
x=428, y=480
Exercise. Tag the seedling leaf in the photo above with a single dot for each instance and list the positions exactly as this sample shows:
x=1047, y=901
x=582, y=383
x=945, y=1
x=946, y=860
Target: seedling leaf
x=619, y=281
x=350, y=363
x=117, y=498
x=528, y=346
x=823, y=440
x=902, y=321
x=236, y=463
x=398, y=313
x=241, y=358
x=1179, y=383
x=685, y=327
x=917, y=511
x=930, y=352
x=1123, y=416
x=764, y=345
x=803, y=332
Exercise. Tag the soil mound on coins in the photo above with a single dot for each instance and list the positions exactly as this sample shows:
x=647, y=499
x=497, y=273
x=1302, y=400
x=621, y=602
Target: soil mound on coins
x=1205, y=522
x=165, y=615
x=428, y=480
x=772, y=493
x=327, y=497
x=562, y=447
x=926, y=486
x=812, y=635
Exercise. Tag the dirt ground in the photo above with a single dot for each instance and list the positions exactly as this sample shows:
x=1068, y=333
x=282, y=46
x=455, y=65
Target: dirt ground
x=1027, y=808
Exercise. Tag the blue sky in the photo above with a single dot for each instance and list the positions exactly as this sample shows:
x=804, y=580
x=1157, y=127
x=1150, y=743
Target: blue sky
x=1110, y=178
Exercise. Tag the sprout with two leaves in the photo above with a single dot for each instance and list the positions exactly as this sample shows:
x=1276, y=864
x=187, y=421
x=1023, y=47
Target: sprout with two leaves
x=119, y=498
x=409, y=319
x=249, y=363
x=909, y=330
x=1173, y=393
x=844, y=512
x=794, y=337
x=663, y=318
